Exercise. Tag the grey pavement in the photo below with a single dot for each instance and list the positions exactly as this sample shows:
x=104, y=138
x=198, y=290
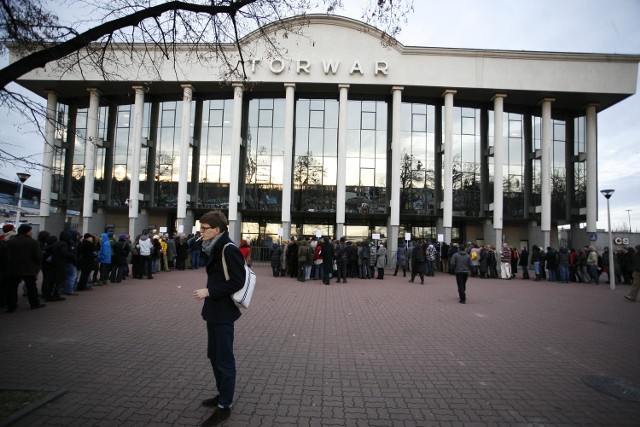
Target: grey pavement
x=365, y=353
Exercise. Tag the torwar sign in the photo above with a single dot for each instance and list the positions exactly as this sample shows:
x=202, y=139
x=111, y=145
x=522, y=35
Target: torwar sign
x=305, y=66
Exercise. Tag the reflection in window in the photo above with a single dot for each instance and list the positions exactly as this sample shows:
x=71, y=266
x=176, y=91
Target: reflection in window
x=417, y=160
x=215, y=154
x=580, y=177
x=466, y=161
x=264, y=155
x=366, y=170
x=558, y=172
x=315, y=155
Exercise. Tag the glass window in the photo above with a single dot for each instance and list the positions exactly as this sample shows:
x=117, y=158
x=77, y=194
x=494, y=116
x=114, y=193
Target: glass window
x=316, y=119
x=419, y=123
x=368, y=121
x=266, y=118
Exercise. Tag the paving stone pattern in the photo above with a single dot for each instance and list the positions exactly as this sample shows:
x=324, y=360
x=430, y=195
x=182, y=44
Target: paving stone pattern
x=365, y=353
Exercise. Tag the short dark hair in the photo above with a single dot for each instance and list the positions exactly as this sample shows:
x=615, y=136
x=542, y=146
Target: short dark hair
x=215, y=219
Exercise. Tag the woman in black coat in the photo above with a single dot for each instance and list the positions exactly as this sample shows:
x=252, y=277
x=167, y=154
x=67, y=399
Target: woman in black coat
x=524, y=263
x=181, y=253
x=275, y=255
x=327, y=260
x=61, y=256
x=86, y=261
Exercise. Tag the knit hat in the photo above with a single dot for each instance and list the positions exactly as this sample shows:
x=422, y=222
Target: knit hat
x=24, y=229
x=7, y=228
x=122, y=237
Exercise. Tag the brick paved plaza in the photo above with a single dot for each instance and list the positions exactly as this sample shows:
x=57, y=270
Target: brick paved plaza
x=366, y=353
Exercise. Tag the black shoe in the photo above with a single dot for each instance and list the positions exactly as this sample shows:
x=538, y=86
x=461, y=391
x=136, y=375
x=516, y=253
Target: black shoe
x=211, y=402
x=218, y=416
x=462, y=301
x=33, y=307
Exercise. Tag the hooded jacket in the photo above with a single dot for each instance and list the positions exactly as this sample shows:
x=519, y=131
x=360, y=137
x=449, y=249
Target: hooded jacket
x=145, y=245
x=104, y=256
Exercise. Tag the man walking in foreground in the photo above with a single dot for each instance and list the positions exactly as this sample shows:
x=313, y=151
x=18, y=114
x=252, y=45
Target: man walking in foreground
x=461, y=265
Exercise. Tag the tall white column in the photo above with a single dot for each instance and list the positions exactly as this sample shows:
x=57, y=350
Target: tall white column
x=47, y=159
x=342, y=160
x=185, y=139
x=447, y=212
x=592, y=170
x=134, y=190
x=236, y=142
x=90, y=158
x=289, y=123
x=396, y=159
x=545, y=171
x=498, y=161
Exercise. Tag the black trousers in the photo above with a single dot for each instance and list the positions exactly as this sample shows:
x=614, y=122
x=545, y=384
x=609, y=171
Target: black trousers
x=461, y=280
x=12, y=283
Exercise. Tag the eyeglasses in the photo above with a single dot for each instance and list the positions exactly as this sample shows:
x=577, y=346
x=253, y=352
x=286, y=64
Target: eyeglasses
x=203, y=228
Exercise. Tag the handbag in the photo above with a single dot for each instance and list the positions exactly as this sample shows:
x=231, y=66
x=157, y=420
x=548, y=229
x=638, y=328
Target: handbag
x=241, y=298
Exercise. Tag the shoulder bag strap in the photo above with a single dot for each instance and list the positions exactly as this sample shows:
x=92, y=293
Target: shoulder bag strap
x=224, y=262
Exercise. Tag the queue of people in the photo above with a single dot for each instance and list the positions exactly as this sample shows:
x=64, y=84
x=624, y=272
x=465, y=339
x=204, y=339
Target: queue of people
x=71, y=263
x=323, y=259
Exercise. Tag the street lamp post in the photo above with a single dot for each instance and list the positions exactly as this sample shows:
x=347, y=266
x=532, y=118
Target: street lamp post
x=22, y=176
x=629, y=215
x=612, y=274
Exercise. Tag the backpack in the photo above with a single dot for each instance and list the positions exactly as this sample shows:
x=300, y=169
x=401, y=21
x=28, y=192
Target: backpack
x=241, y=298
x=474, y=255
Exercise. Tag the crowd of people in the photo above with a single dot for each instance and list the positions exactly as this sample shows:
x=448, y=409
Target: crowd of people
x=72, y=263
x=323, y=259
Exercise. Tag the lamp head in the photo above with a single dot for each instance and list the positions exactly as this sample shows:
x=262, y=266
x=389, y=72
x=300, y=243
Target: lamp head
x=607, y=193
x=23, y=176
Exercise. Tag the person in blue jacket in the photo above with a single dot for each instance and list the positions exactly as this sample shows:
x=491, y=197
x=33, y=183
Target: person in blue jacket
x=104, y=258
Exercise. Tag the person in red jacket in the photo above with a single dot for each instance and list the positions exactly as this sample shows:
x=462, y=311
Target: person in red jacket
x=246, y=252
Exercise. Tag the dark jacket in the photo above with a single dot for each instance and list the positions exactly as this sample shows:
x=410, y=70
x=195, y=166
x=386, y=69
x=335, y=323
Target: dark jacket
x=27, y=255
x=327, y=256
x=61, y=256
x=5, y=259
x=461, y=262
x=535, y=254
x=120, y=253
x=417, y=258
x=181, y=248
x=218, y=307
x=87, y=255
x=524, y=258
x=276, y=253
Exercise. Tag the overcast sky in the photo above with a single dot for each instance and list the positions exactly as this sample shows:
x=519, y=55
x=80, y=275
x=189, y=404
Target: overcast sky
x=591, y=26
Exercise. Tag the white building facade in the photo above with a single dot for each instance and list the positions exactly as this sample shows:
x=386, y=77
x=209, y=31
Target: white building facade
x=334, y=131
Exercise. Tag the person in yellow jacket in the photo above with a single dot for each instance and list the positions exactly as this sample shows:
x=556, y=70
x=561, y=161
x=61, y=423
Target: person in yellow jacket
x=165, y=263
